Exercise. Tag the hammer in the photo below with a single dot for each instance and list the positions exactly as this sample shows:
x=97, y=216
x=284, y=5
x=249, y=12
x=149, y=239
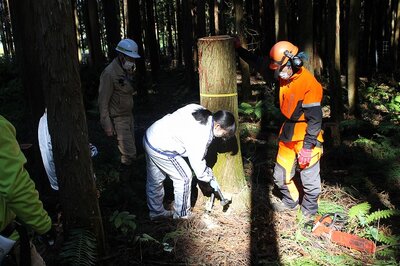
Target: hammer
x=224, y=202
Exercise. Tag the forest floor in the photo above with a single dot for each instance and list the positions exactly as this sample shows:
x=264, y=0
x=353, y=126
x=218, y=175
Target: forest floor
x=244, y=234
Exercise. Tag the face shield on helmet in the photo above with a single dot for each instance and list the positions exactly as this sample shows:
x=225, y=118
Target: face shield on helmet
x=128, y=47
x=280, y=54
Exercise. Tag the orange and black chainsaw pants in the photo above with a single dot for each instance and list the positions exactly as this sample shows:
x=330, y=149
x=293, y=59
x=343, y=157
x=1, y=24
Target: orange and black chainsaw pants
x=284, y=172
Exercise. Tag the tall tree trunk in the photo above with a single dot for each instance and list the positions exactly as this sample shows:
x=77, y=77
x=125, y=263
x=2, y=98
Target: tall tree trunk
x=216, y=17
x=256, y=16
x=211, y=17
x=222, y=7
x=370, y=7
x=305, y=27
x=7, y=27
x=27, y=59
x=218, y=90
x=201, y=19
x=319, y=11
x=396, y=37
x=82, y=46
x=169, y=6
x=244, y=67
x=154, y=47
x=352, y=56
x=281, y=31
x=179, y=27
x=268, y=23
x=112, y=23
x=134, y=30
x=2, y=30
x=96, y=58
x=59, y=72
x=335, y=88
x=188, y=41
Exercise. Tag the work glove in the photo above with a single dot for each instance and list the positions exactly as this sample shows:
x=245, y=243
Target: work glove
x=214, y=184
x=304, y=157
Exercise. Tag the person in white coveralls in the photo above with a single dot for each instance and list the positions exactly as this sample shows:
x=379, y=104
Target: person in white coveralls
x=187, y=132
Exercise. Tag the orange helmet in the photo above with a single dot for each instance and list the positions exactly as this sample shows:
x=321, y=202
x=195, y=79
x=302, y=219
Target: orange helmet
x=279, y=54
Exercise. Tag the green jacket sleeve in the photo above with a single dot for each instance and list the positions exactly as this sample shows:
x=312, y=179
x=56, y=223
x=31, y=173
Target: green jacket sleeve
x=18, y=195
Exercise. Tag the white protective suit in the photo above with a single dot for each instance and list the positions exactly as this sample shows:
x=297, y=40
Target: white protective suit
x=166, y=142
x=46, y=151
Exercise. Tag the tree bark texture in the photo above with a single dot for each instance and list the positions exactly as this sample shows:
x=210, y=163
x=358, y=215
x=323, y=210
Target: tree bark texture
x=305, y=30
x=201, y=18
x=113, y=28
x=152, y=39
x=218, y=90
x=335, y=88
x=66, y=117
x=188, y=40
x=244, y=67
x=281, y=10
x=96, y=58
x=179, y=28
x=134, y=30
x=170, y=7
x=28, y=64
x=268, y=30
x=352, y=56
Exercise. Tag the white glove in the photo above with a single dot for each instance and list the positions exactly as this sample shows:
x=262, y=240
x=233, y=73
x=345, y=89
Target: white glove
x=214, y=184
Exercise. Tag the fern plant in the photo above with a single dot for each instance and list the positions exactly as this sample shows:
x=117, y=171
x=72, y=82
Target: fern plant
x=80, y=248
x=360, y=216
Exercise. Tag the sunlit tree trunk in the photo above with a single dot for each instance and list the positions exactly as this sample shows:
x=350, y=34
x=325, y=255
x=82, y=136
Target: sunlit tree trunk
x=281, y=31
x=7, y=27
x=216, y=11
x=352, y=54
x=396, y=36
x=2, y=31
x=218, y=90
x=335, y=88
x=244, y=67
x=179, y=28
x=59, y=71
x=305, y=27
x=154, y=47
x=170, y=7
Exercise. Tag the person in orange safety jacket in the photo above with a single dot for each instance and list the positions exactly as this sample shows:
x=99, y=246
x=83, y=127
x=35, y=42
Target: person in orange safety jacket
x=300, y=137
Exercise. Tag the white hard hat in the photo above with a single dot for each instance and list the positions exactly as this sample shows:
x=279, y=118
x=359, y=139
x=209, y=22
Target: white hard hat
x=128, y=47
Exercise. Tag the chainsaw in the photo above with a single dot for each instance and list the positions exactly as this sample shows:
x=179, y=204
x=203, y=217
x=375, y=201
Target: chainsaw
x=329, y=226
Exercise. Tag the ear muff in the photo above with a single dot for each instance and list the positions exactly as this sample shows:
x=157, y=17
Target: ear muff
x=296, y=61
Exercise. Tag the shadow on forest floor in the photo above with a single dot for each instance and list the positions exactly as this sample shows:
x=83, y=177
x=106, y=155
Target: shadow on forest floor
x=250, y=235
